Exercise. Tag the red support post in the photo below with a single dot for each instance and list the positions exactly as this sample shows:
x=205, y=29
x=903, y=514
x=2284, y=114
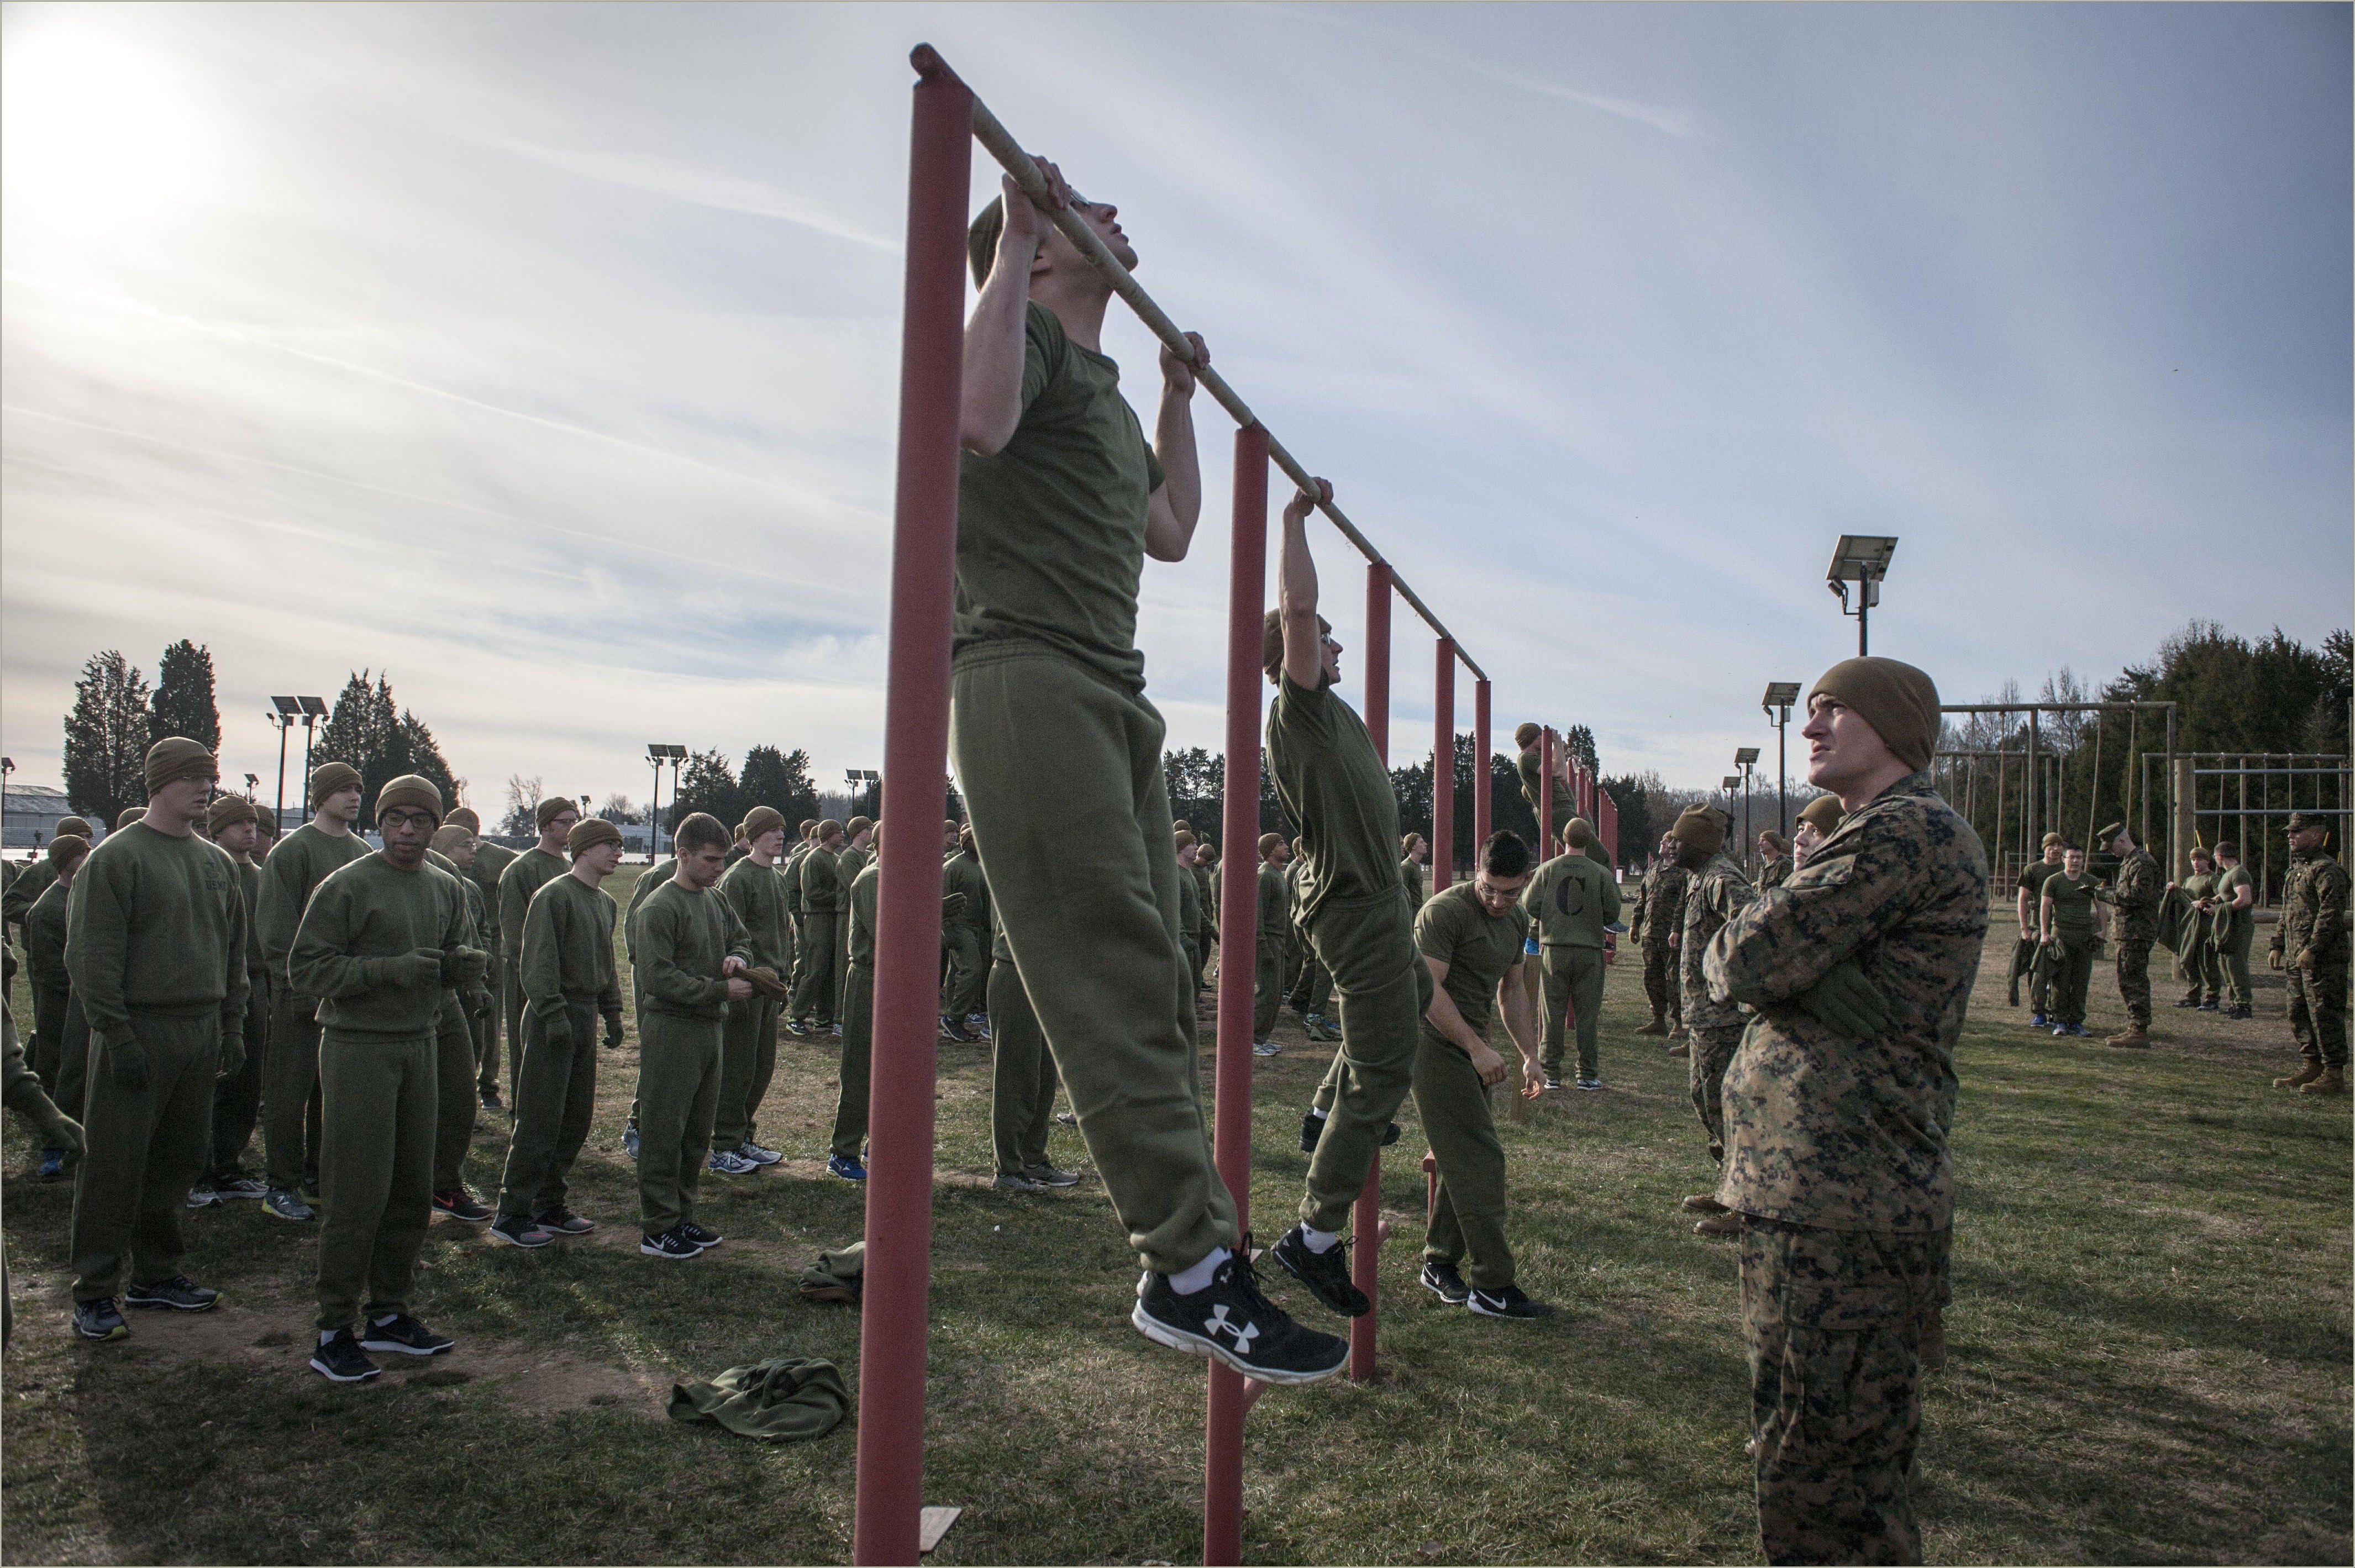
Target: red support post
x=1442, y=768
x=1484, y=786
x=1607, y=825
x=1222, y=1481
x=1545, y=793
x=891, y=1342
x=1366, y=1222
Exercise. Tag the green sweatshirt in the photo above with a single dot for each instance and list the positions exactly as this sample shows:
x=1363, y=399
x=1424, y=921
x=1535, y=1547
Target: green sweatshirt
x=298, y=863
x=1571, y=898
x=863, y=893
x=518, y=885
x=364, y=916
x=821, y=881
x=44, y=940
x=961, y=873
x=794, y=876
x=650, y=878
x=684, y=936
x=490, y=861
x=568, y=947
x=757, y=894
x=248, y=883
x=854, y=861
x=1275, y=902
x=34, y=881
x=157, y=923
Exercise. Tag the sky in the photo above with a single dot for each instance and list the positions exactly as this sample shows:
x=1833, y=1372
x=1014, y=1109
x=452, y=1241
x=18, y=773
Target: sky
x=545, y=359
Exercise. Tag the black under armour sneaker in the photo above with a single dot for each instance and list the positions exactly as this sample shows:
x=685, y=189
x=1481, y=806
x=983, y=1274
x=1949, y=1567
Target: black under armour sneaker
x=1326, y=1272
x=1229, y=1321
x=1444, y=1282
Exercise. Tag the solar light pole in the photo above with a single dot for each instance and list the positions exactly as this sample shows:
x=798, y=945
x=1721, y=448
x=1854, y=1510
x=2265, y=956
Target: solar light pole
x=313, y=709
x=1745, y=759
x=1729, y=783
x=1781, y=696
x=858, y=776
x=658, y=754
x=1863, y=560
x=7, y=766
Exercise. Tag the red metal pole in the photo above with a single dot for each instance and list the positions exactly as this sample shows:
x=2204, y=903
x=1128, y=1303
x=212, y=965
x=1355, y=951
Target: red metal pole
x=1443, y=769
x=1484, y=786
x=1545, y=795
x=1223, y=1480
x=891, y=1342
x=1366, y=1222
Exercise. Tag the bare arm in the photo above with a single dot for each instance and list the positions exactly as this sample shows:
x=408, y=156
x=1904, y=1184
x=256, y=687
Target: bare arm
x=2029, y=918
x=1448, y=1019
x=1520, y=1017
x=990, y=405
x=1172, y=511
x=2044, y=920
x=1303, y=650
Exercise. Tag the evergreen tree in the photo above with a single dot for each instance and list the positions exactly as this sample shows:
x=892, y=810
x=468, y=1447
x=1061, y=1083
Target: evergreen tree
x=780, y=780
x=372, y=732
x=707, y=783
x=106, y=739
x=183, y=703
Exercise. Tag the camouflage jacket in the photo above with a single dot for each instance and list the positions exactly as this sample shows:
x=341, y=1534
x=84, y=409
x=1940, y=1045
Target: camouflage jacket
x=2314, y=910
x=1660, y=902
x=1774, y=873
x=1716, y=893
x=1827, y=1131
x=2136, y=892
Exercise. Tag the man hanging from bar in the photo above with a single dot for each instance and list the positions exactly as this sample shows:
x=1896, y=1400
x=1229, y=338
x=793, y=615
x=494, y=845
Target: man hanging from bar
x=1059, y=499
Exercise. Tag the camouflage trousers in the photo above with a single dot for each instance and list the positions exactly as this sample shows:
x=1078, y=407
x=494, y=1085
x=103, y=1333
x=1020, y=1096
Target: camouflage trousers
x=2318, y=1012
x=1660, y=983
x=2134, y=979
x=1834, y=1322
x=1712, y=1053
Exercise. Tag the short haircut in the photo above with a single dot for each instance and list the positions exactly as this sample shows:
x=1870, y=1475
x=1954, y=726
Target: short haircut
x=1526, y=735
x=699, y=830
x=1575, y=834
x=1407, y=843
x=1271, y=644
x=2200, y=852
x=2069, y=848
x=1504, y=855
x=2226, y=847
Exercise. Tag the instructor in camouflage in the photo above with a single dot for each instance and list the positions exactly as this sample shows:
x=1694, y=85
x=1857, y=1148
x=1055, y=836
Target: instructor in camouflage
x=1836, y=1110
x=2135, y=895
x=2309, y=947
x=1659, y=919
x=1717, y=892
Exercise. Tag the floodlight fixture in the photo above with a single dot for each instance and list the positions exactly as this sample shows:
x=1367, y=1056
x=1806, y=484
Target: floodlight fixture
x=1730, y=780
x=1745, y=756
x=290, y=706
x=1863, y=560
x=1781, y=696
x=313, y=707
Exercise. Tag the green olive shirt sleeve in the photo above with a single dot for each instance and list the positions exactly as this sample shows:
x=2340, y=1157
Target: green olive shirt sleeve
x=98, y=943
x=322, y=964
x=545, y=933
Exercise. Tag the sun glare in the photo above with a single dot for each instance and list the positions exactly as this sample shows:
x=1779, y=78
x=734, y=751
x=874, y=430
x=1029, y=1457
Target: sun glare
x=92, y=134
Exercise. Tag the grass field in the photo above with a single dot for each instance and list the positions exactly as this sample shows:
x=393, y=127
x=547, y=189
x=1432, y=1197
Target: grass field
x=2149, y=1350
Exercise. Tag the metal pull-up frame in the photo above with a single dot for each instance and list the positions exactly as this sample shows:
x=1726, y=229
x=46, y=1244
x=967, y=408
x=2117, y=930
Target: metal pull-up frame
x=947, y=119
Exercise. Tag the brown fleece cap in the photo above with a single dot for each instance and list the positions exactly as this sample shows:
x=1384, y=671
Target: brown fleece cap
x=410, y=792
x=75, y=827
x=127, y=816
x=463, y=817
x=1824, y=812
x=588, y=833
x=65, y=849
x=1702, y=827
x=175, y=757
x=228, y=812
x=549, y=810
x=329, y=777
x=1898, y=701
x=452, y=835
x=763, y=819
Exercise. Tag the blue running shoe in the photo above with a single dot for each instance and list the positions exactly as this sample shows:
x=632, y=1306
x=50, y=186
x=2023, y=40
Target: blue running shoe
x=848, y=1169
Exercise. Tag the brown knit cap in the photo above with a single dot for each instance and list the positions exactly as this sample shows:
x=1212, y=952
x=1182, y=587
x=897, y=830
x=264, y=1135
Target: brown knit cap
x=75, y=827
x=463, y=817
x=228, y=812
x=410, y=792
x=549, y=810
x=1526, y=735
x=763, y=819
x=1267, y=842
x=127, y=816
x=855, y=826
x=1776, y=842
x=1577, y=833
x=328, y=778
x=67, y=849
x=175, y=757
x=589, y=832
x=2052, y=838
x=829, y=828
x=1823, y=812
x=1185, y=841
x=1898, y=701
x=1702, y=827
x=452, y=835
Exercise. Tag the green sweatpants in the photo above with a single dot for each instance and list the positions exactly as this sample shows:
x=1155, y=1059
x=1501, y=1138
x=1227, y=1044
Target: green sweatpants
x=1467, y=1214
x=289, y=1091
x=1022, y=1074
x=841, y=956
x=1368, y=946
x=237, y=1099
x=486, y=1048
x=678, y=1094
x=1312, y=986
x=814, y=971
x=73, y=1069
x=555, y=1096
x=747, y=1059
x=1712, y=1053
x=2234, y=959
x=144, y=1149
x=1574, y=992
x=511, y=1007
x=1268, y=988
x=1086, y=892
x=2071, y=965
x=453, y=1093
x=49, y=1052
x=375, y=1172
x=857, y=1063
x=2204, y=970
x=965, y=990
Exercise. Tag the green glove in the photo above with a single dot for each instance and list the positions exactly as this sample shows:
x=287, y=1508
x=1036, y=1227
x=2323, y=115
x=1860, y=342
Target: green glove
x=60, y=1131
x=556, y=1027
x=1846, y=1003
x=612, y=1031
x=126, y=1065
x=415, y=971
x=463, y=965
x=232, y=1053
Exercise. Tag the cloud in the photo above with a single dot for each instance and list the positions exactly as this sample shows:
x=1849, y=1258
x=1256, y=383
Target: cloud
x=714, y=188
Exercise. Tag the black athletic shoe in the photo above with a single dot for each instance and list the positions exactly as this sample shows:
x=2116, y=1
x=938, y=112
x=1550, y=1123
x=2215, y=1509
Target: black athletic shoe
x=341, y=1359
x=1390, y=1135
x=461, y=1204
x=180, y=1293
x=1312, y=1131
x=1048, y=1174
x=99, y=1319
x=798, y=1028
x=671, y=1244
x=2188, y=1002
x=563, y=1222
x=1509, y=1302
x=1259, y=1339
x=518, y=1231
x=700, y=1236
x=1325, y=1273
x=1444, y=1282
x=491, y=1100
x=404, y=1336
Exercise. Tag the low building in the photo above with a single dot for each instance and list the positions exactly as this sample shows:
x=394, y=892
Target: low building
x=32, y=816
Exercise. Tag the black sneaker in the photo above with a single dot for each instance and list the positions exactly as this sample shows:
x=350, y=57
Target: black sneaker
x=798, y=1028
x=1312, y=1131
x=239, y=1187
x=1442, y=1281
x=1553, y=1080
x=491, y=1100
x=701, y=1236
x=341, y=1361
x=562, y=1222
x=99, y=1319
x=1326, y=1274
x=518, y=1231
x=461, y=1204
x=1509, y=1302
x=1047, y=1174
x=180, y=1293
x=402, y=1334
x=1260, y=1341
x=1390, y=1135
x=670, y=1244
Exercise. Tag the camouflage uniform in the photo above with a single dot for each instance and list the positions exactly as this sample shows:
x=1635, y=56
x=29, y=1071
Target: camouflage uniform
x=1660, y=910
x=1836, y=1157
x=1774, y=873
x=2312, y=940
x=2136, y=893
x=1716, y=893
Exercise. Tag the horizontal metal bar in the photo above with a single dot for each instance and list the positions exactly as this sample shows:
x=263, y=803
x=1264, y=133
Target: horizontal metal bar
x=2045, y=707
x=2267, y=772
x=1000, y=144
x=2272, y=811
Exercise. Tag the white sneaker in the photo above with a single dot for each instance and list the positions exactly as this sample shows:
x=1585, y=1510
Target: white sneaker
x=1266, y=1048
x=754, y=1154
x=728, y=1162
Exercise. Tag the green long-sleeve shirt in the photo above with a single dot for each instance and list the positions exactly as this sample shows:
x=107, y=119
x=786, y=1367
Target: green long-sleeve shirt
x=156, y=922
x=257, y=971
x=44, y=940
x=792, y=868
x=490, y=861
x=363, y=914
x=298, y=863
x=17, y=901
x=863, y=893
x=961, y=873
x=1571, y=898
x=650, y=878
x=684, y=936
x=757, y=894
x=518, y=885
x=568, y=947
x=1189, y=904
x=1275, y=902
x=821, y=881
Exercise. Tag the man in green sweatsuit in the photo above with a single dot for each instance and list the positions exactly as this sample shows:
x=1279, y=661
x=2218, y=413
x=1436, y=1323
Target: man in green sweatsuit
x=847, y=1151
x=237, y=1098
x=155, y=943
x=17, y=899
x=857, y=834
x=490, y=861
x=1574, y=900
x=821, y=883
x=1189, y=906
x=456, y=1056
x=689, y=954
x=1021, y=1081
x=44, y=960
x=964, y=989
x=527, y=874
x=1273, y=915
x=1206, y=882
x=1060, y=501
x=290, y=1088
x=802, y=836
x=566, y=967
x=381, y=941
x=754, y=889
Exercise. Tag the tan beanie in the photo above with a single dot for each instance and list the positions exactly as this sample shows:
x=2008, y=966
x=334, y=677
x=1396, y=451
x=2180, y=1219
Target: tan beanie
x=763, y=819
x=410, y=792
x=452, y=835
x=589, y=832
x=1823, y=812
x=463, y=817
x=1899, y=702
x=329, y=778
x=228, y=812
x=74, y=828
x=1702, y=827
x=549, y=810
x=175, y=757
x=1267, y=843
x=828, y=829
x=65, y=849
x=1776, y=842
x=855, y=826
x=127, y=816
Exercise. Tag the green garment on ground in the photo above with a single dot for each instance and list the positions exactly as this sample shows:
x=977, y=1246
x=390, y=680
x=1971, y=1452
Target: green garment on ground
x=853, y=1082
x=1050, y=528
x=156, y=926
x=821, y=885
x=837, y=1274
x=965, y=936
x=375, y=1172
x=2072, y=904
x=1022, y=1073
x=294, y=870
x=364, y=925
x=1479, y=949
x=790, y=1400
x=1082, y=882
x=679, y=1095
x=143, y=1147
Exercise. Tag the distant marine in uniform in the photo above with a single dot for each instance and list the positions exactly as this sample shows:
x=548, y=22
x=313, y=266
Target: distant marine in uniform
x=2310, y=948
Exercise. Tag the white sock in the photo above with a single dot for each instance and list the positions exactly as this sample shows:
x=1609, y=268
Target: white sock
x=325, y=1335
x=1319, y=1241
x=1187, y=1281
x=1314, y=1112
x=389, y=1316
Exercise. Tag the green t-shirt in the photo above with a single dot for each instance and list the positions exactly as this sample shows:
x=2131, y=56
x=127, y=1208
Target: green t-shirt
x=2031, y=882
x=2072, y=904
x=1571, y=898
x=1050, y=530
x=1333, y=783
x=2231, y=927
x=1455, y=930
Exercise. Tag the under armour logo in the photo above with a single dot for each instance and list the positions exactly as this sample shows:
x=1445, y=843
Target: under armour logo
x=1244, y=1333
